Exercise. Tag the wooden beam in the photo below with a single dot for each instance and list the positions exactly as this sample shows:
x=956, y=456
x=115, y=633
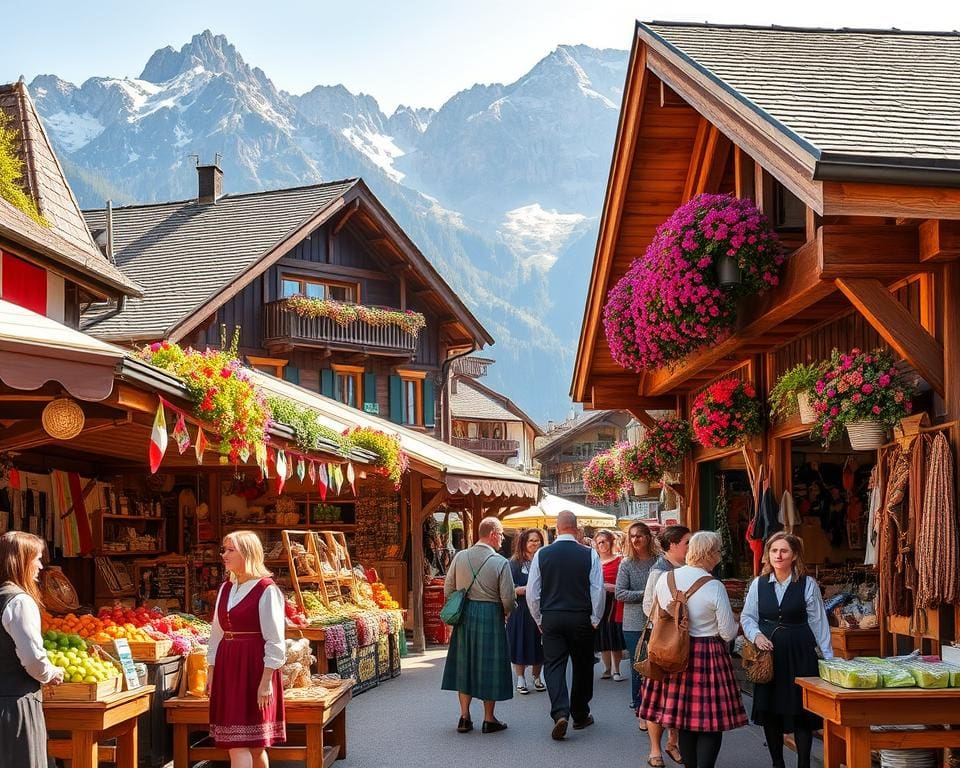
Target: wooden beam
x=743, y=174
x=897, y=327
x=345, y=217
x=812, y=222
x=643, y=417
x=714, y=161
x=800, y=287
x=939, y=240
x=763, y=190
x=870, y=251
x=841, y=198
x=417, y=557
x=696, y=158
x=29, y=435
x=951, y=344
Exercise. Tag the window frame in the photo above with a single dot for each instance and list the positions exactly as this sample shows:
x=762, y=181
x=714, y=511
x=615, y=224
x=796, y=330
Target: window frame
x=262, y=363
x=303, y=280
x=354, y=372
x=416, y=378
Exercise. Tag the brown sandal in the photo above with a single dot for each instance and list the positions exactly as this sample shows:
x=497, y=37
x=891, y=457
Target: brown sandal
x=656, y=762
x=674, y=753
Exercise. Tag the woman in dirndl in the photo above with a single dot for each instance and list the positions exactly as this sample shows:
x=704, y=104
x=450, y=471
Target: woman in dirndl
x=608, y=636
x=783, y=612
x=24, y=665
x=523, y=635
x=244, y=656
x=703, y=701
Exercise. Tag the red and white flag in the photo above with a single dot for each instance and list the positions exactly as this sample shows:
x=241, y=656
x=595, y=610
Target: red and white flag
x=323, y=481
x=181, y=435
x=281, y=470
x=158, y=440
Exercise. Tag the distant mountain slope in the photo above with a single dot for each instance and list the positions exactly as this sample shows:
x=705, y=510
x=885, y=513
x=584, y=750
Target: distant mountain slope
x=501, y=187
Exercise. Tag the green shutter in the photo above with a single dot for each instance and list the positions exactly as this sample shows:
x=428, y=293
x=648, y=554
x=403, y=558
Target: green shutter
x=428, y=406
x=370, y=393
x=291, y=374
x=326, y=382
x=396, y=399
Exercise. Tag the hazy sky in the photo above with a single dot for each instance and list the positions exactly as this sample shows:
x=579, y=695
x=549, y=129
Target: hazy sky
x=416, y=52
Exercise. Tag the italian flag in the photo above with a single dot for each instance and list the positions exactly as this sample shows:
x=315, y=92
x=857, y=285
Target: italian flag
x=158, y=440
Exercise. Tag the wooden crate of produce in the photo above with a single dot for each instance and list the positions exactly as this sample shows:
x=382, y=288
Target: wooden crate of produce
x=150, y=650
x=82, y=691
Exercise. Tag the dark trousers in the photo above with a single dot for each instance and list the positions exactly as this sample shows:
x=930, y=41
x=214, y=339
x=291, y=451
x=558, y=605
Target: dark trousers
x=699, y=749
x=568, y=635
x=773, y=730
x=632, y=639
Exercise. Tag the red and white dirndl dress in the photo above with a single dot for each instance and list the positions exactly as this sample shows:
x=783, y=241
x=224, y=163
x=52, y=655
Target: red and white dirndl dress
x=236, y=719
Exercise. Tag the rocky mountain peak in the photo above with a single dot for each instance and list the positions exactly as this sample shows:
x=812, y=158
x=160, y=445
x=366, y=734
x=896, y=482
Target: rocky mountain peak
x=214, y=53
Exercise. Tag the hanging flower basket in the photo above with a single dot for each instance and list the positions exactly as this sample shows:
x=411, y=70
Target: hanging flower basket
x=866, y=435
x=670, y=439
x=603, y=479
x=641, y=487
x=671, y=300
x=807, y=414
x=858, y=387
x=726, y=414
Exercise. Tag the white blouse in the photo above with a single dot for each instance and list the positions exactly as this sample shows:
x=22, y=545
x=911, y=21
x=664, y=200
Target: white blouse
x=21, y=620
x=708, y=610
x=271, y=623
x=816, y=613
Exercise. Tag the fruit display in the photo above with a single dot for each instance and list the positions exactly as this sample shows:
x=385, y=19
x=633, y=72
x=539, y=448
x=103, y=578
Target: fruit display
x=382, y=596
x=93, y=628
x=293, y=615
x=70, y=653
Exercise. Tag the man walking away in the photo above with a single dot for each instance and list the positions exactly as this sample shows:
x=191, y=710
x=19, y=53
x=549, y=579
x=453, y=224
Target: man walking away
x=565, y=596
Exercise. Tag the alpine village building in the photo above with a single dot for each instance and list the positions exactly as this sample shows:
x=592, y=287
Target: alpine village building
x=847, y=141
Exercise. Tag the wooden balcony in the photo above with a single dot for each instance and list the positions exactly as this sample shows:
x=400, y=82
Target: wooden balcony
x=286, y=330
x=489, y=447
x=570, y=489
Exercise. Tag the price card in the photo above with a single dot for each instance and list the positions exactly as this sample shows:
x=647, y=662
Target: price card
x=122, y=649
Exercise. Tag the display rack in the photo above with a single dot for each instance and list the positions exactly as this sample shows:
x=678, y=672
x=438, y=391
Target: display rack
x=306, y=567
x=129, y=535
x=163, y=580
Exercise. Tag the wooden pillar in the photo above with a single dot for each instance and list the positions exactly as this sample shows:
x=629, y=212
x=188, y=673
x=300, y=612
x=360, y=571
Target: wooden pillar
x=419, y=643
x=950, y=295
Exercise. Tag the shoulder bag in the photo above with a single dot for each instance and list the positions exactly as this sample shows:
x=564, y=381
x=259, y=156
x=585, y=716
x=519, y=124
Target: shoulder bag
x=757, y=664
x=456, y=602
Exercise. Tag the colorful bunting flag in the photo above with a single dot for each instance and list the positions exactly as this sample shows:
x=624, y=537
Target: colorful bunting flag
x=181, y=435
x=323, y=481
x=351, y=477
x=281, y=471
x=158, y=440
x=301, y=469
x=312, y=472
x=260, y=452
x=200, y=446
x=336, y=476
x=244, y=453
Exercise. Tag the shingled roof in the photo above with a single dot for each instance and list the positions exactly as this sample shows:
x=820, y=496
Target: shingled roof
x=854, y=99
x=185, y=253
x=473, y=400
x=67, y=240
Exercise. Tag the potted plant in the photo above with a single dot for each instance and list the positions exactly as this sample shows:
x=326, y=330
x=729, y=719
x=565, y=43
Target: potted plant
x=603, y=478
x=671, y=439
x=639, y=466
x=792, y=391
x=672, y=300
x=862, y=392
x=726, y=413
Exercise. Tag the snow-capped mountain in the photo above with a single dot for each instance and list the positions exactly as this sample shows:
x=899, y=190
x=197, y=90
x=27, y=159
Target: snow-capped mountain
x=501, y=187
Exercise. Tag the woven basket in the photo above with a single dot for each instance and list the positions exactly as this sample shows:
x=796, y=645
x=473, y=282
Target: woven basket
x=866, y=435
x=807, y=414
x=641, y=487
x=59, y=596
x=63, y=418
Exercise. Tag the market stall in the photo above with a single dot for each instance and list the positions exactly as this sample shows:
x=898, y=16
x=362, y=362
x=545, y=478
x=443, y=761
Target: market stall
x=544, y=515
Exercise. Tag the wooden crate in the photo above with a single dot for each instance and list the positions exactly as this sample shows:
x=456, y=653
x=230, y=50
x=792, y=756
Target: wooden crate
x=150, y=650
x=82, y=691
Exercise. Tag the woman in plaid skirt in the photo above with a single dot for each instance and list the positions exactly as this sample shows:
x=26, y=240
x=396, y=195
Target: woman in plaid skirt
x=703, y=701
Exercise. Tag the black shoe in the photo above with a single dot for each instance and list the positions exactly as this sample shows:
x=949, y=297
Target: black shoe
x=579, y=725
x=465, y=725
x=492, y=726
x=559, y=731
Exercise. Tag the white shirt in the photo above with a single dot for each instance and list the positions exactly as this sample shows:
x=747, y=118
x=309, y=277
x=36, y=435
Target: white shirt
x=21, y=620
x=597, y=591
x=708, y=610
x=271, y=623
x=816, y=613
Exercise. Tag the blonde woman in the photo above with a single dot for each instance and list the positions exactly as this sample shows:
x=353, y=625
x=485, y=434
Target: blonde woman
x=24, y=665
x=783, y=612
x=703, y=701
x=245, y=654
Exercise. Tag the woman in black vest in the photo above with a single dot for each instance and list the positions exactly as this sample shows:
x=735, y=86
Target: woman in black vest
x=24, y=665
x=784, y=612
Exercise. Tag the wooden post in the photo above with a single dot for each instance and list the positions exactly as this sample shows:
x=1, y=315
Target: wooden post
x=419, y=643
x=951, y=341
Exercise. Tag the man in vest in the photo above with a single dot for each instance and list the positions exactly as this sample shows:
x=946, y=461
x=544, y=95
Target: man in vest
x=565, y=597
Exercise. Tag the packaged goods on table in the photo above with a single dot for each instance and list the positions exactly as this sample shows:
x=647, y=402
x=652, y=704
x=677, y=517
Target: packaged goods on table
x=849, y=674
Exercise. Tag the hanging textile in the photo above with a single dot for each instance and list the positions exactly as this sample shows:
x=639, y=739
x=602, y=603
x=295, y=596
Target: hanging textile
x=937, y=540
x=723, y=529
x=894, y=552
x=788, y=516
x=876, y=499
x=63, y=509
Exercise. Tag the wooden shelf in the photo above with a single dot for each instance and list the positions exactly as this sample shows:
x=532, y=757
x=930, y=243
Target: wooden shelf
x=298, y=526
x=131, y=553
x=133, y=517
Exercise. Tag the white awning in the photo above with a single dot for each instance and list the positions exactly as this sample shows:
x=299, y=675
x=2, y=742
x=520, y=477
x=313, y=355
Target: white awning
x=544, y=514
x=35, y=349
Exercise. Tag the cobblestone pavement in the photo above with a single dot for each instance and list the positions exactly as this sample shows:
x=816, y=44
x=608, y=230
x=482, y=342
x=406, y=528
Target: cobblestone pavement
x=408, y=722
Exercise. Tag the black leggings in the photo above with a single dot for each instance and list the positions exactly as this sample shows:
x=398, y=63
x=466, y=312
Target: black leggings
x=699, y=749
x=803, y=736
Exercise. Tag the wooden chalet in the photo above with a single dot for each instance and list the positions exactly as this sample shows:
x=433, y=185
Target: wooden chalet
x=232, y=260
x=848, y=141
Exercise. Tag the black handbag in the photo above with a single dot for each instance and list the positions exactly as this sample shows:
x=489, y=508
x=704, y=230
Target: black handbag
x=456, y=602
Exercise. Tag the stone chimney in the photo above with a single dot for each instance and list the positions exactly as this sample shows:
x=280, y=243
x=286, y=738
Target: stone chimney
x=209, y=183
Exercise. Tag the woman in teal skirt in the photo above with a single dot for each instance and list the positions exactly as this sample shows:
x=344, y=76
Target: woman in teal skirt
x=478, y=659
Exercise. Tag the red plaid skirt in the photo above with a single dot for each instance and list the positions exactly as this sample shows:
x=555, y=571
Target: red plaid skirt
x=703, y=698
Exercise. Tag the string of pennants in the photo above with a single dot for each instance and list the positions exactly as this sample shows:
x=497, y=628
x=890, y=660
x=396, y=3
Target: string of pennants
x=284, y=463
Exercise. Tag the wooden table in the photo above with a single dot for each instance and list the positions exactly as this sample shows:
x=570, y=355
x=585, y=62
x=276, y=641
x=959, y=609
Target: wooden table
x=90, y=722
x=848, y=714
x=317, y=637
x=848, y=643
x=322, y=741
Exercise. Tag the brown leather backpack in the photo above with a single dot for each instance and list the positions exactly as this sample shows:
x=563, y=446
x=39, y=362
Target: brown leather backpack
x=669, y=645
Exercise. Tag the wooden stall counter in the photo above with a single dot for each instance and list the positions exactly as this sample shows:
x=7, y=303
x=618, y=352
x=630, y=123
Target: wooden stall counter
x=848, y=714
x=92, y=722
x=318, y=738
x=848, y=643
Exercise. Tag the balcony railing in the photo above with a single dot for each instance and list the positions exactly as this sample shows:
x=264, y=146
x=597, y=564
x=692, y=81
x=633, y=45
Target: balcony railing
x=281, y=326
x=570, y=489
x=487, y=445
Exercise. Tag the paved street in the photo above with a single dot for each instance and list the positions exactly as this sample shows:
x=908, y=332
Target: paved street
x=409, y=721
